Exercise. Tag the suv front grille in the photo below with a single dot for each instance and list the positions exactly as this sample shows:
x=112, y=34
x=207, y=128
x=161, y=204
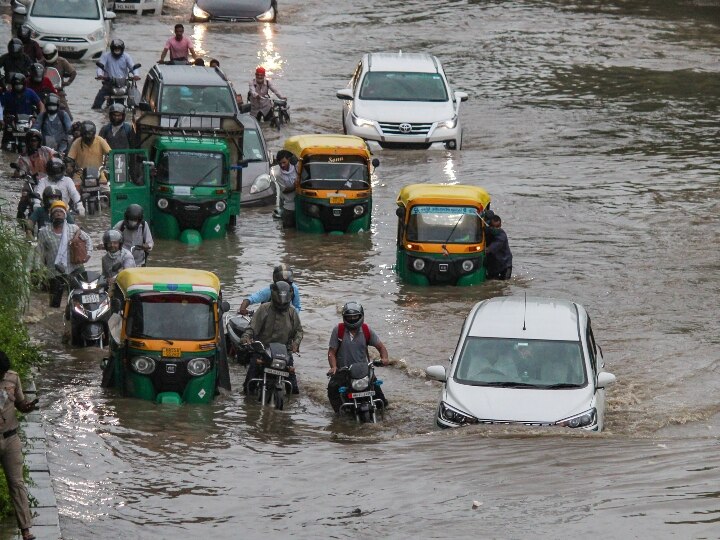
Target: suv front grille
x=401, y=128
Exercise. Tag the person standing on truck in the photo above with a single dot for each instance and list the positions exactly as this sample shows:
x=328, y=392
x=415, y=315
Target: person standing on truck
x=179, y=46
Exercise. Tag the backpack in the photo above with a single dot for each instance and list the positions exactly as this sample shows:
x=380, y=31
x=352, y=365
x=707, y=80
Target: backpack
x=365, y=331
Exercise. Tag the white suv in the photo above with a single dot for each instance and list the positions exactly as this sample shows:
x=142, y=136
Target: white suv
x=402, y=100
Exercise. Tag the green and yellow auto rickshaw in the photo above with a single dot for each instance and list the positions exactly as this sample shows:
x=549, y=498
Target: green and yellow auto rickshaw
x=333, y=192
x=166, y=338
x=441, y=234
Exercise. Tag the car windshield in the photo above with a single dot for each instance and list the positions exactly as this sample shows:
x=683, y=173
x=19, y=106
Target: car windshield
x=403, y=86
x=171, y=316
x=444, y=225
x=253, y=149
x=182, y=168
x=66, y=9
x=335, y=172
x=182, y=99
x=521, y=363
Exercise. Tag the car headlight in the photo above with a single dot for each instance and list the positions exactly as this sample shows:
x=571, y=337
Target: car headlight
x=144, y=365
x=361, y=384
x=454, y=416
x=163, y=204
x=418, y=264
x=220, y=206
x=198, y=366
x=467, y=265
x=449, y=123
x=200, y=13
x=362, y=122
x=579, y=420
x=269, y=15
x=313, y=210
x=359, y=210
x=97, y=35
x=261, y=183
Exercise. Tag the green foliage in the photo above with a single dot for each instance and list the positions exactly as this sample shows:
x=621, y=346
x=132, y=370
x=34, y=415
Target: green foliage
x=15, y=253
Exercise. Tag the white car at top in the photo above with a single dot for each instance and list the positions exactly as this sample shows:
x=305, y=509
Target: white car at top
x=527, y=361
x=80, y=29
x=402, y=100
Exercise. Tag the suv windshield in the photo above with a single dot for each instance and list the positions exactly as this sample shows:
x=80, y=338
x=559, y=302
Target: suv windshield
x=171, y=316
x=403, y=86
x=445, y=225
x=182, y=168
x=66, y=9
x=253, y=149
x=334, y=172
x=181, y=99
x=521, y=363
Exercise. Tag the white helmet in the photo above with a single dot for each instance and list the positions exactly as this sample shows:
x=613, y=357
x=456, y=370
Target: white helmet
x=50, y=52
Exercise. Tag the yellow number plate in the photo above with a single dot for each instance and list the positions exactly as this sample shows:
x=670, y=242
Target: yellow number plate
x=337, y=200
x=171, y=352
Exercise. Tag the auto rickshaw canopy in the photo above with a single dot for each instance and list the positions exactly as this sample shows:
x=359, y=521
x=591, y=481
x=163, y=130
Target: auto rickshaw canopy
x=305, y=145
x=455, y=194
x=158, y=279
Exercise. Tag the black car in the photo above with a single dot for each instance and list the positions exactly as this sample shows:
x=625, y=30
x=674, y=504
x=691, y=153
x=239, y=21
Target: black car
x=234, y=10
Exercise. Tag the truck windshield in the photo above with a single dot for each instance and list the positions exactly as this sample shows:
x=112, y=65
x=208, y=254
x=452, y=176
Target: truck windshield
x=66, y=9
x=444, y=225
x=335, y=172
x=403, y=86
x=171, y=316
x=183, y=168
x=183, y=99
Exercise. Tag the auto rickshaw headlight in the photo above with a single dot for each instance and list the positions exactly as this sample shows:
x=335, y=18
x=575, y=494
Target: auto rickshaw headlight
x=163, y=204
x=313, y=210
x=198, y=366
x=220, y=206
x=359, y=209
x=467, y=265
x=144, y=365
x=261, y=183
x=418, y=264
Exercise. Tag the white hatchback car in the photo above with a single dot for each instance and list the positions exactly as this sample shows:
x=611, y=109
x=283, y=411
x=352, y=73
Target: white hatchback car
x=80, y=29
x=530, y=361
x=402, y=100
x=139, y=7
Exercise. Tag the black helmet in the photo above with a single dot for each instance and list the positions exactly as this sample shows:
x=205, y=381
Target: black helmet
x=52, y=103
x=15, y=47
x=33, y=135
x=17, y=80
x=37, y=72
x=88, y=131
x=116, y=108
x=117, y=44
x=281, y=294
x=282, y=272
x=112, y=235
x=49, y=195
x=24, y=32
x=353, y=315
x=55, y=168
x=134, y=215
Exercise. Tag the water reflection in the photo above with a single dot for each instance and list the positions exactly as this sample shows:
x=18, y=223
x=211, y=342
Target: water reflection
x=198, y=38
x=267, y=56
x=449, y=169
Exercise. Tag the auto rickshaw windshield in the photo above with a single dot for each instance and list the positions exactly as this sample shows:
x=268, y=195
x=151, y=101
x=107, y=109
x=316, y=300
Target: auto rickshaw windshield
x=191, y=168
x=326, y=173
x=171, y=316
x=444, y=224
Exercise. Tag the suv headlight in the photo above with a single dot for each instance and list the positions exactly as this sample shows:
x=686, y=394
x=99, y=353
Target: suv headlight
x=261, y=183
x=579, y=420
x=198, y=366
x=269, y=15
x=200, y=13
x=97, y=35
x=454, y=416
x=362, y=122
x=144, y=365
x=361, y=384
x=449, y=123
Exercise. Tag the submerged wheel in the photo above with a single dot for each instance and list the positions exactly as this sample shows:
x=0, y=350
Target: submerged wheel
x=279, y=400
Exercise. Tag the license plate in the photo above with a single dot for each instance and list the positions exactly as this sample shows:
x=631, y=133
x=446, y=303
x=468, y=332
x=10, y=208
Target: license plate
x=337, y=200
x=171, y=352
x=90, y=298
x=63, y=48
x=369, y=393
x=125, y=7
x=277, y=372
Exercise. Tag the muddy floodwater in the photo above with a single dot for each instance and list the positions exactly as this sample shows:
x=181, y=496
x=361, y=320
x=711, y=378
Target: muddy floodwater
x=594, y=127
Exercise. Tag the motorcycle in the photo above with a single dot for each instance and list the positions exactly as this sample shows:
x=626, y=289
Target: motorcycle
x=93, y=193
x=274, y=361
x=359, y=398
x=88, y=308
x=123, y=90
x=280, y=114
x=235, y=326
x=17, y=126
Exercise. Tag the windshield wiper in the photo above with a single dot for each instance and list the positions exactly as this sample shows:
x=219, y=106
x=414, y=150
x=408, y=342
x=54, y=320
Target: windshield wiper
x=562, y=385
x=508, y=384
x=151, y=337
x=206, y=175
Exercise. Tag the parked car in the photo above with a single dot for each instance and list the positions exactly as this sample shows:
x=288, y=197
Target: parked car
x=234, y=10
x=402, y=100
x=531, y=361
x=80, y=29
x=139, y=7
x=257, y=186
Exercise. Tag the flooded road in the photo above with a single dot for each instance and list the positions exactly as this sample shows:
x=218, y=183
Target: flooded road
x=594, y=127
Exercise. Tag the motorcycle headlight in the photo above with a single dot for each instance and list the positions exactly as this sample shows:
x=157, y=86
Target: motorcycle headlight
x=104, y=307
x=454, y=416
x=358, y=210
x=97, y=35
x=220, y=206
x=89, y=286
x=78, y=308
x=360, y=384
x=449, y=123
x=278, y=364
x=144, y=365
x=269, y=15
x=579, y=420
x=200, y=13
x=418, y=264
x=198, y=366
x=90, y=182
x=313, y=210
x=163, y=204
x=362, y=122
x=467, y=265
x=119, y=91
x=261, y=183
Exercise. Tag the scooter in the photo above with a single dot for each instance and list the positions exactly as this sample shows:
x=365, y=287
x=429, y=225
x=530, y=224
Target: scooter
x=18, y=126
x=280, y=114
x=235, y=326
x=88, y=308
x=122, y=89
x=359, y=397
x=274, y=361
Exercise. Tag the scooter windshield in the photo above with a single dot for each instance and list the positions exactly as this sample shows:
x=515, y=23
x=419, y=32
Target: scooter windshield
x=171, y=316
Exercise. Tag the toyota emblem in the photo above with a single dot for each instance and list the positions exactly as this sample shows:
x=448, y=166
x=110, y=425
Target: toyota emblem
x=405, y=128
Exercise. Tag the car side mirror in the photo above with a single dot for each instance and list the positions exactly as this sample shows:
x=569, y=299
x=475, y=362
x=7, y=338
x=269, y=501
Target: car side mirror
x=605, y=379
x=461, y=96
x=400, y=212
x=375, y=162
x=436, y=373
x=345, y=93
x=109, y=15
x=225, y=306
x=144, y=106
x=20, y=10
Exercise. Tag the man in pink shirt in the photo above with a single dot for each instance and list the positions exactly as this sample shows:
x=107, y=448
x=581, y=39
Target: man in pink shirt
x=179, y=46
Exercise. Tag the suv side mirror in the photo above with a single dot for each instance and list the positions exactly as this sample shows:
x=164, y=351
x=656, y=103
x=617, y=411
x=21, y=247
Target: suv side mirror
x=436, y=373
x=461, y=96
x=345, y=93
x=605, y=379
x=19, y=9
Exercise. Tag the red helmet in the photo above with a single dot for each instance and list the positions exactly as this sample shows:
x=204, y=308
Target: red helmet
x=260, y=71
